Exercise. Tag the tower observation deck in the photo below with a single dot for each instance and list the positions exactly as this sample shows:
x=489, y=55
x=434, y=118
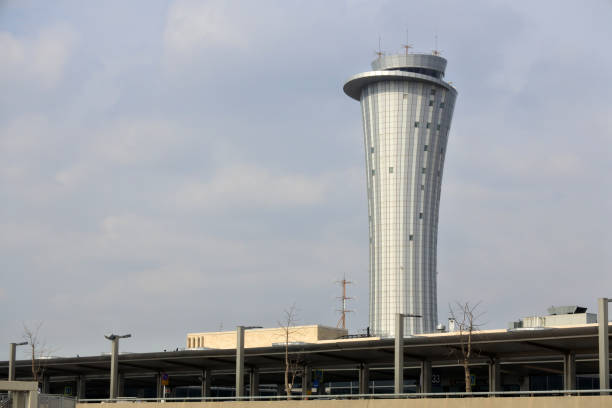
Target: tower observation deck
x=407, y=109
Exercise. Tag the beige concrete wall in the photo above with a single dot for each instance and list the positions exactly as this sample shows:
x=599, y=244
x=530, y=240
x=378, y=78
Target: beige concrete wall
x=263, y=337
x=515, y=402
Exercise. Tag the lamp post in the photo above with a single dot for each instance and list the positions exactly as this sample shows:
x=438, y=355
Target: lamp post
x=12, y=353
x=114, y=371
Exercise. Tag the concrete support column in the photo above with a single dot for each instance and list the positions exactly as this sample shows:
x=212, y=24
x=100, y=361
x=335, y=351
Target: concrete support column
x=81, y=387
x=307, y=380
x=425, y=378
x=12, y=353
x=158, y=386
x=254, y=383
x=206, y=381
x=364, y=379
x=240, y=361
x=399, y=354
x=45, y=389
x=120, y=385
x=494, y=376
x=114, y=373
x=525, y=383
x=569, y=371
x=604, y=345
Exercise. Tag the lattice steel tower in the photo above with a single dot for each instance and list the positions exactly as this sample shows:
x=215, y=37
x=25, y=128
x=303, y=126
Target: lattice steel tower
x=407, y=109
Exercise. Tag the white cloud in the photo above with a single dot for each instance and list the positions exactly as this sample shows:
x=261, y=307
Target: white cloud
x=193, y=26
x=41, y=59
x=251, y=186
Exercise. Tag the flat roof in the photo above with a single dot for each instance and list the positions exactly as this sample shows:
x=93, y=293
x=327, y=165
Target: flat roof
x=440, y=348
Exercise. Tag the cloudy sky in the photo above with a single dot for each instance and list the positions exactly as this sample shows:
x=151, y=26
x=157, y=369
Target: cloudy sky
x=177, y=166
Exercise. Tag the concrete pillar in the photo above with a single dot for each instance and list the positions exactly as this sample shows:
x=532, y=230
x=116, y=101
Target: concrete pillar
x=12, y=352
x=604, y=345
x=364, y=379
x=425, y=378
x=307, y=380
x=81, y=387
x=206, y=381
x=114, y=372
x=254, y=383
x=525, y=383
x=45, y=385
x=32, y=399
x=494, y=376
x=120, y=385
x=158, y=386
x=240, y=361
x=399, y=354
x=569, y=371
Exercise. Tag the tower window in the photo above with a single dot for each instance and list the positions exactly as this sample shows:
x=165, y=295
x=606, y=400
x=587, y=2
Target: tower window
x=420, y=216
x=441, y=104
x=371, y=149
x=391, y=170
x=431, y=103
x=438, y=126
x=416, y=124
x=428, y=125
x=373, y=172
x=422, y=170
x=441, y=150
x=411, y=237
x=425, y=148
x=422, y=187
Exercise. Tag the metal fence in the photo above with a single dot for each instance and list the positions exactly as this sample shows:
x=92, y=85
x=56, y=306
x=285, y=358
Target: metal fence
x=361, y=396
x=5, y=400
x=55, y=401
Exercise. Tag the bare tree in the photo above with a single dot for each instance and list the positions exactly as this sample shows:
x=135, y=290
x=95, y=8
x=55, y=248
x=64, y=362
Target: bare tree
x=467, y=319
x=292, y=364
x=38, y=350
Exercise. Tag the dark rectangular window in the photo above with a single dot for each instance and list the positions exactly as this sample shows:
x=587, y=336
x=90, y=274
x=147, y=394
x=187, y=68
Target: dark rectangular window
x=373, y=172
x=425, y=147
x=422, y=187
x=431, y=103
x=391, y=170
x=442, y=104
x=420, y=216
x=428, y=125
x=423, y=170
x=438, y=126
x=411, y=237
x=416, y=124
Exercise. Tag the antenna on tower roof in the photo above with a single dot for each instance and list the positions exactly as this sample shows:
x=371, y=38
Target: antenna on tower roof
x=435, y=50
x=379, y=52
x=407, y=46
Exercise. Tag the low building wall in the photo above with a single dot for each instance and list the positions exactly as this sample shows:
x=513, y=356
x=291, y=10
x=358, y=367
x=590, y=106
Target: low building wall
x=595, y=401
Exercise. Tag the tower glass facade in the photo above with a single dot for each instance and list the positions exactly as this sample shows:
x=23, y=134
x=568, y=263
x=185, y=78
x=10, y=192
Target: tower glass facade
x=406, y=109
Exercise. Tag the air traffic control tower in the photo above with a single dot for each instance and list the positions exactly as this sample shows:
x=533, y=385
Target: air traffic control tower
x=407, y=109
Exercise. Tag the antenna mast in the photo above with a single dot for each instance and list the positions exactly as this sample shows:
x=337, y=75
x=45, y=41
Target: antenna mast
x=436, y=51
x=407, y=46
x=342, y=321
x=379, y=52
